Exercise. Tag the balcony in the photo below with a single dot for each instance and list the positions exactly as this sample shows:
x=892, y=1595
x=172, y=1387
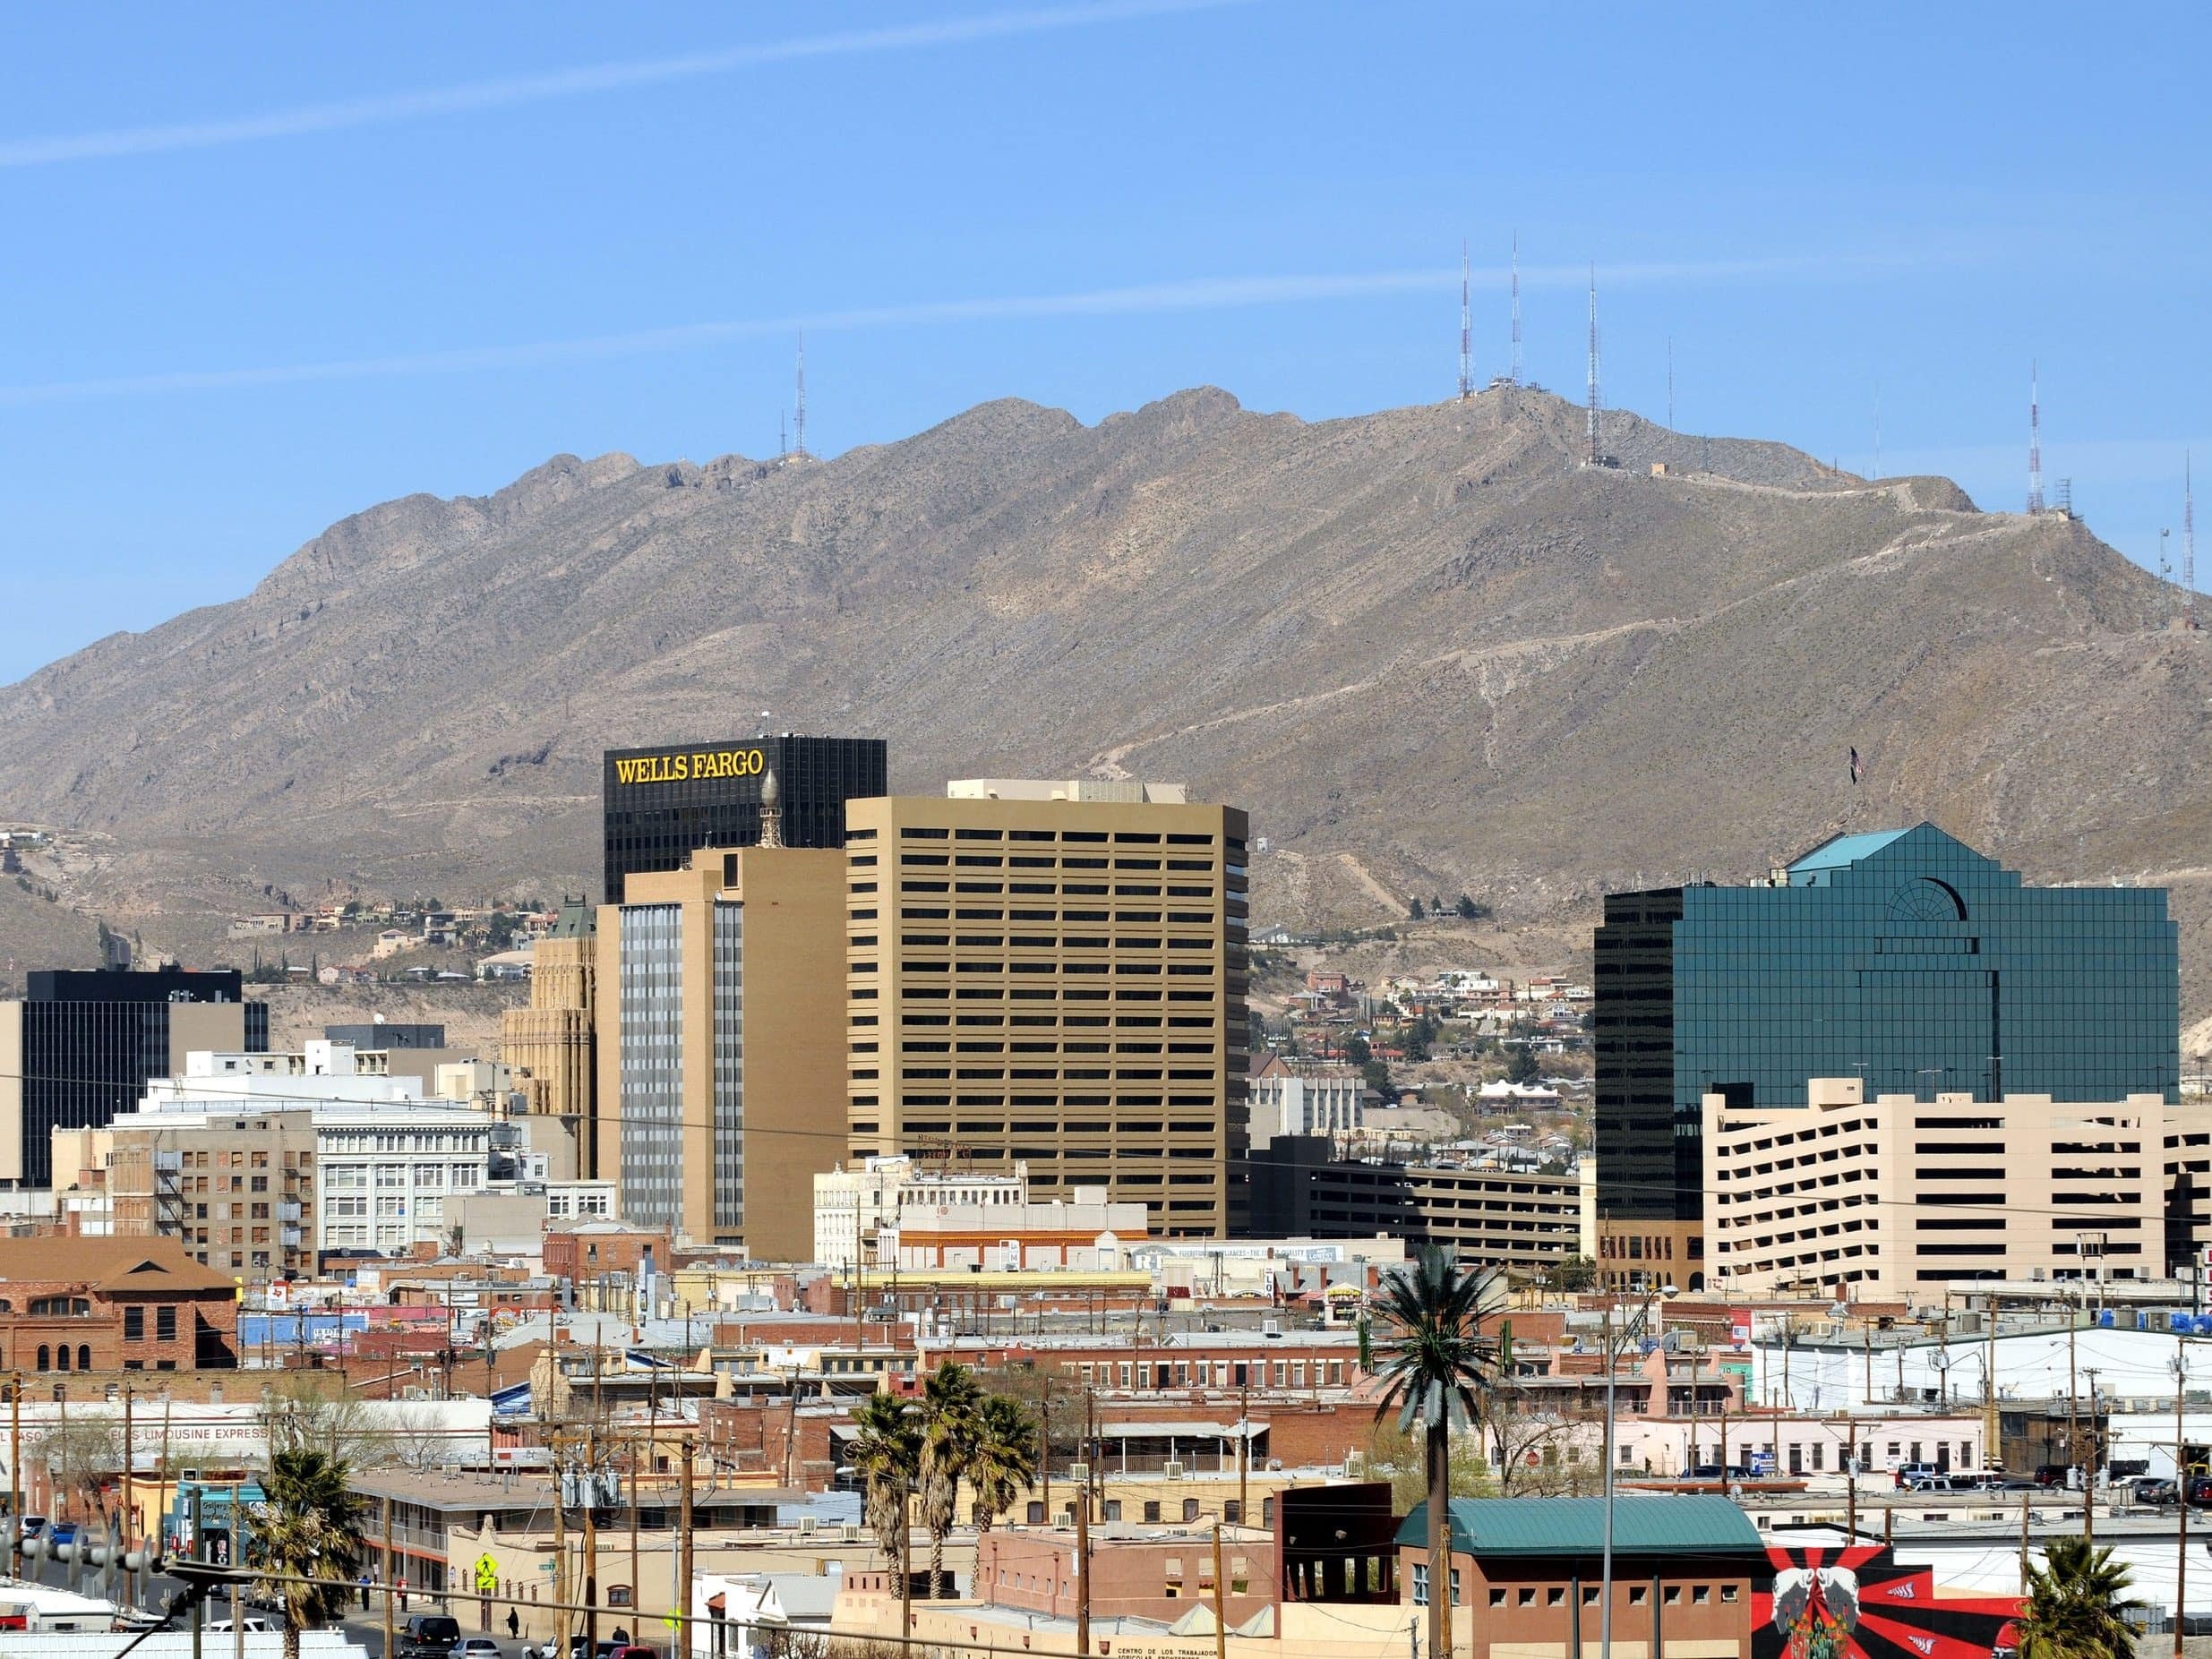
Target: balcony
x=288, y=1211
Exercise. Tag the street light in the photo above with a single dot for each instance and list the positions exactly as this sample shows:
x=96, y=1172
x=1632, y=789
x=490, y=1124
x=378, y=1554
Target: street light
x=1628, y=1331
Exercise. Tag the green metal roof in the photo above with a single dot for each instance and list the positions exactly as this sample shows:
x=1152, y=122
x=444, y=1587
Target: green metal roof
x=1642, y=1525
x=1844, y=849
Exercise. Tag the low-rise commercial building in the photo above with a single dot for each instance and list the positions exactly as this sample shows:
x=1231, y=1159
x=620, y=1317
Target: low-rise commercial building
x=853, y=1205
x=1086, y=1232
x=1882, y=1198
x=259, y=1162
x=78, y=1304
x=1523, y=1220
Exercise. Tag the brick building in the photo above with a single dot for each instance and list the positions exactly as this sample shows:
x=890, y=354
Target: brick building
x=74, y=1305
x=1525, y=1574
x=589, y=1249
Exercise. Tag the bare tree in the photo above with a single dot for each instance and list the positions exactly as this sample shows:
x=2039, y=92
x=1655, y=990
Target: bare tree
x=82, y=1458
x=310, y=1412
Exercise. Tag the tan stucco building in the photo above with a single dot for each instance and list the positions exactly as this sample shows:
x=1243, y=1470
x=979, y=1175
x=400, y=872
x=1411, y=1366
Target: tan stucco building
x=1886, y=1199
x=719, y=1000
x=1053, y=974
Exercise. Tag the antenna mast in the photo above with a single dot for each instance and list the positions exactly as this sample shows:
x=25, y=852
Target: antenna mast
x=2188, y=537
x=1593, y=366
x=1515, y=375
x=799, y=411
x=2035, y=439
x=1467, y=331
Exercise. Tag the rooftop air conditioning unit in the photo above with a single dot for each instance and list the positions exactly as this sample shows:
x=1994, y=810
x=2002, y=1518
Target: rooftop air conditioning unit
x=1174, y=1471
x=1080, y=1473
x=850, y=1533
x=807, y=1523
x=1355, y=1466
x=1271, y=1328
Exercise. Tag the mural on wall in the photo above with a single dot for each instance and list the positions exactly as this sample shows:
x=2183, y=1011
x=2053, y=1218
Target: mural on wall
x=1859, y=1601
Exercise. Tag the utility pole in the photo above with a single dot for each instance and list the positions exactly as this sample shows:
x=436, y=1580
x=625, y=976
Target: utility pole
x=1991, y=1437
x=1044, y=1438
x=1244, y=1454
x=590, y=1493
x=1850, y=1490
x=127, y=1511
x=689, y=1450
x=2088, y=1473
x=391, y=1581
x=2181, y=1491
x=2024, y=1497
x=1083, y=1580
x=1220, y=1600
x=561, y=1555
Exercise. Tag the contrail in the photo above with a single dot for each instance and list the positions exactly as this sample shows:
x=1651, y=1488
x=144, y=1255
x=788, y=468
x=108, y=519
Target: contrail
x=1198, y=294
x=379, y=111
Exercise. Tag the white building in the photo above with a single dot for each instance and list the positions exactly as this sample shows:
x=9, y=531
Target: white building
x=1287, y=1100
x=386, y=1160
x=852, y=1207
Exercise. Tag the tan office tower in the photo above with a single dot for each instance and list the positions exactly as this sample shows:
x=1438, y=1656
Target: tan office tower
x=1054, y=974
x=720, y=994
x=548, y=1045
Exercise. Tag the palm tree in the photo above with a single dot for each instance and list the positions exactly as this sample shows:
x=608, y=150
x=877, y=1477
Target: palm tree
x=1440, y=1367
x=887, y=1454
x=307, y=1528
x=951, y=1423
x=1003, y=1461
x=2074, y=1605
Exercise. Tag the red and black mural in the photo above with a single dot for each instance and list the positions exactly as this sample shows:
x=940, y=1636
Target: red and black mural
x=1860, y=1603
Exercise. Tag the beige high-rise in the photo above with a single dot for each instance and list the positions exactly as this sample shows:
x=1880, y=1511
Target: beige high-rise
x=548, y=1046
x=1053, y=974
x=719, y=994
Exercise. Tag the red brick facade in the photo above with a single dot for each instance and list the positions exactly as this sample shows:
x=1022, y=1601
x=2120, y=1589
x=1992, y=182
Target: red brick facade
x=109, y=1305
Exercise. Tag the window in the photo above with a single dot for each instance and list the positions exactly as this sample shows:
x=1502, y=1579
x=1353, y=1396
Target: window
x=133, y=1324
x=1728, y=1592
x=1700, y=1594
x=1151, y=1511
x=1497, y=1596
x=1526, y=1597
x=1420, y=1581
x=1190, y=1508
x=165, y=1323
x=1636, y=1596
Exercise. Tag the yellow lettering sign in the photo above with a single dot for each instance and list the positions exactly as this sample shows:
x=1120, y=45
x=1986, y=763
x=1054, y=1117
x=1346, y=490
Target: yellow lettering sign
x=706, y=762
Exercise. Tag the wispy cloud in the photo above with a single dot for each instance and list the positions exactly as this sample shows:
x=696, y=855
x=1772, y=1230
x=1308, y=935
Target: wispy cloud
x=305, y=119
x=1198, y=294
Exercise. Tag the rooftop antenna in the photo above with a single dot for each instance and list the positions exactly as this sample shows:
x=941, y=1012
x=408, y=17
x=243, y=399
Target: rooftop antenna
x=2189, y=538
x=783, y=439
x=2035, y=439
x=799, y=411
x=1467, y=332
x=1515, y=375
x=1592, y=434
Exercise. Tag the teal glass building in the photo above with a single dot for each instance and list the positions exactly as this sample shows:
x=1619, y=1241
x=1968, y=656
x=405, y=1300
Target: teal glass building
x=1901, y=957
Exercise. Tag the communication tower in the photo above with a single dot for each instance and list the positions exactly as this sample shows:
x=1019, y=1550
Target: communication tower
x=1467, y=331
x=2035, y=439
x=799, y=409
x=1515, y=371
x=1592, y=434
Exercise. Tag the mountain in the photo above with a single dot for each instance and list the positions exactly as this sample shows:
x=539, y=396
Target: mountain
x=1429, y=650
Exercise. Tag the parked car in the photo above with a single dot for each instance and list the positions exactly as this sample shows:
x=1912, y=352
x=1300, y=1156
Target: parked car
x=474, y=1647
x=31, y=1526
x=253, y=1624
x=635, y=1650
x=2151, y=1488
x=2200, y=1491
x=1909, y=1474
x=1931, y=1483
x=429, y=1635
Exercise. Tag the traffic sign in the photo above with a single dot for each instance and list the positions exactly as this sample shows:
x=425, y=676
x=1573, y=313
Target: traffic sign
x=487, y=1575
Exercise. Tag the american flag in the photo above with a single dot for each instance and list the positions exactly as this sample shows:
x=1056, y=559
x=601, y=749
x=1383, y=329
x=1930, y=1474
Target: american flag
x=1858, y=771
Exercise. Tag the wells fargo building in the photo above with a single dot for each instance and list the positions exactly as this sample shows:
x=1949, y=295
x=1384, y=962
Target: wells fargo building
x=663, y=804
x=1054, y=974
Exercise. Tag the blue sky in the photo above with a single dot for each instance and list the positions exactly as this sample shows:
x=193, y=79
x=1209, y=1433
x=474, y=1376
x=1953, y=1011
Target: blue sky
x=263, y=267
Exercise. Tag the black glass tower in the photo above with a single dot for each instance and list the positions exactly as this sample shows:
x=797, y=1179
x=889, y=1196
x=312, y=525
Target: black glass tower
x=91, y=1040
x=661, y=804
x=1903, y=958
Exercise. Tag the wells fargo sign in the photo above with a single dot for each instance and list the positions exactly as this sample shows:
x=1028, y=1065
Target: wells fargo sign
x=680, y=765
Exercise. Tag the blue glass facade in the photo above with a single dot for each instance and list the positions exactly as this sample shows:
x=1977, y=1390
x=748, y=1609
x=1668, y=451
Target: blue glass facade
x=1905, y=958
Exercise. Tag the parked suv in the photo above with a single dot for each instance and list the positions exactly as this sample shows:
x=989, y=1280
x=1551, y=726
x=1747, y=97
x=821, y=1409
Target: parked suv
x=429, y=1635
x=1910, y=1475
